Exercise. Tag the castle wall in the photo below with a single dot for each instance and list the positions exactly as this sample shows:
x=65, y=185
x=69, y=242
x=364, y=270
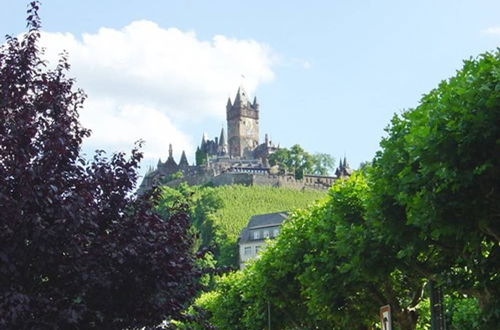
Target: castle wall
x=286, y=181
x=225, y=179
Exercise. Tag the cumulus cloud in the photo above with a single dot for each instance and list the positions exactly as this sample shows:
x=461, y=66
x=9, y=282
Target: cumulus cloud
x=147, y=82
x=495, y=30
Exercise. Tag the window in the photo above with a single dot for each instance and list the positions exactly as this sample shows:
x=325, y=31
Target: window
x=257, y=249
x=276, y=231
x=248, y=250
x=266, y=233
x=256, y=234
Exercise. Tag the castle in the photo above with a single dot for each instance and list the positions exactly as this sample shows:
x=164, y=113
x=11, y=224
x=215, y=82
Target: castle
x=239, y=159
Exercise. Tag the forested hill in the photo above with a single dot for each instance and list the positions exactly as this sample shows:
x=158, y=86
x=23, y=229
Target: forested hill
x=220, y=213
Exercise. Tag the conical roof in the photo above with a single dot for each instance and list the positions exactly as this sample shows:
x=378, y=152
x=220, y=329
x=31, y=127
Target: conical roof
x=183, y=162
x=222, y=139
x=241, y=97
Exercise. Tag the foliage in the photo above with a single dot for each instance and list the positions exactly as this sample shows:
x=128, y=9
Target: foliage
x=435, y=183
x=323, y=164
x=173, y=176
x=329, y=245
x=200, y=156
x=77, y=249
x=427, y=209
x=463, y=313
x=300, y=162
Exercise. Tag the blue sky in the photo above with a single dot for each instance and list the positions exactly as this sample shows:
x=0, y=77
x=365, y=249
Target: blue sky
x=329, y=75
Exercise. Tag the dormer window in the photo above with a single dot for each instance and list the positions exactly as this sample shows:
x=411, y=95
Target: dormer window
x=266, y=233
x=256, y=234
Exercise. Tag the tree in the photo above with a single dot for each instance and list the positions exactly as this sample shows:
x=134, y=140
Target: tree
x=200, y=156
x=77, y=248
x=323, y=164
x=425, y=212
x=436, y=180
x=300, y=162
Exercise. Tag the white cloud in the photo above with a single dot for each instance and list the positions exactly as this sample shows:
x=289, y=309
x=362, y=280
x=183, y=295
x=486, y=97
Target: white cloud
x=146, y=82
x=119, y=125
x=495, y=30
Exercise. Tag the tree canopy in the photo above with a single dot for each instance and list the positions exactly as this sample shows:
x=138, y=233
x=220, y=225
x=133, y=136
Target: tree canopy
x=424, y=212
x=300, y=162
x=77, y=248
x=436, y=182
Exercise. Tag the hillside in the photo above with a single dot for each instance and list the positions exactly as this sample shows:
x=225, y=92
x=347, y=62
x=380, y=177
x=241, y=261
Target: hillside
x=219, y=213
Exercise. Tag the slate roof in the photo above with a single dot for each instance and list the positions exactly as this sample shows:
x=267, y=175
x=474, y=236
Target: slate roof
x=261, y=221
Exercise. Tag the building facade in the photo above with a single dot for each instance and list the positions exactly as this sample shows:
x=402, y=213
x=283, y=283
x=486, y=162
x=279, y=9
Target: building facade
x=253, y=237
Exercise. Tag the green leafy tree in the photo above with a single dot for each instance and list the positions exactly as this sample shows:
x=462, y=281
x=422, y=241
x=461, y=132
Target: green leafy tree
x=436, y=180
x=323, y=164
x=200, y=156
x=298, y=161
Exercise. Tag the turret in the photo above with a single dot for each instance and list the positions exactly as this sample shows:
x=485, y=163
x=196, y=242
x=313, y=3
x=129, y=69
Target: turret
x=343, y=170
x=170, y=151
x=204, y=139
x=222, y=139
x=222, y=147
x=255, y=104
x=170, y=166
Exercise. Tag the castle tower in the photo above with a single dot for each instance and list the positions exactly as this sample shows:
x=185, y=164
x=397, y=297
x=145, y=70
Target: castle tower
x=242, y=125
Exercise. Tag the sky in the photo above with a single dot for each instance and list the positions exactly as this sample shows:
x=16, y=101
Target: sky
x=328, y=75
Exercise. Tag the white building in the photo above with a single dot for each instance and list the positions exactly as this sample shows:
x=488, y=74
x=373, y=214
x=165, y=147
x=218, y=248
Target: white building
x=253, y=237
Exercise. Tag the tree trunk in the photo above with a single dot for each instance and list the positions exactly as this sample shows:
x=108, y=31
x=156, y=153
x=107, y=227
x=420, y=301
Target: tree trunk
x=406, y=319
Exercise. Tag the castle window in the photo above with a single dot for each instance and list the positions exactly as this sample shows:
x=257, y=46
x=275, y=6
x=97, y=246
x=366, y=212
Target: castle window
x=266, y=233
x=257, y=249
x=248, y=250
x=276, y=232
x=256, y=234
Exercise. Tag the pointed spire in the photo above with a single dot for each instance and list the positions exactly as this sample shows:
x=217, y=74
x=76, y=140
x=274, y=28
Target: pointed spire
x=229, y=105
x=183, y=162
x=204, y=139
x=159, y=162
x=170, y=164
x=241, y=97
x=255, y=105
x=346, y=165
x=170, y=151
x=222, y=139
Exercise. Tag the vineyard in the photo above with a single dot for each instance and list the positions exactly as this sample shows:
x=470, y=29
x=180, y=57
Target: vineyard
x=219, y=213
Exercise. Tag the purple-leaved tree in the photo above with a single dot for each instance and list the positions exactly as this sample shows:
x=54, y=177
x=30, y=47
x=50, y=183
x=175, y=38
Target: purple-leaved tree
x=78, y=249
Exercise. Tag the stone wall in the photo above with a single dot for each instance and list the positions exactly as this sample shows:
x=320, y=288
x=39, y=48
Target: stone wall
x=257, y=179
x=230, y=178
